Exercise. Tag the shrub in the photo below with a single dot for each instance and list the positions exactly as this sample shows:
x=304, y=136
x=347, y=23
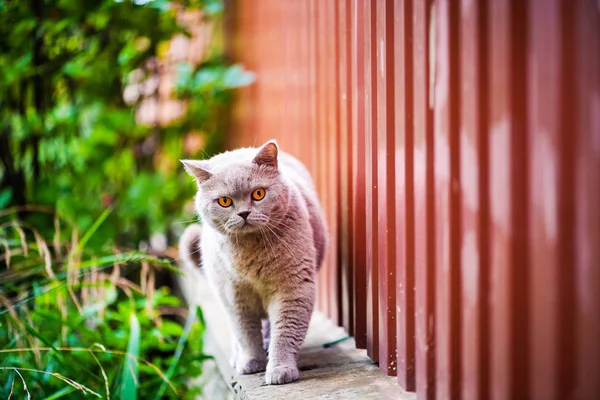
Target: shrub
x=99, y=102
x=100, y=99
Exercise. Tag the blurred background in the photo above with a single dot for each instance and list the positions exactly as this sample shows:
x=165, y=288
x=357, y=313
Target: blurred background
x=99, y=101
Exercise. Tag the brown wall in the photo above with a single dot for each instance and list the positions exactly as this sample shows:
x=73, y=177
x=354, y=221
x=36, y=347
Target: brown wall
x=456, y=149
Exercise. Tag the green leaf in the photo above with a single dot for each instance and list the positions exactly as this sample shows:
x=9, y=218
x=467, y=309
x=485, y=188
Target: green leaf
x=61, y=393
x=38, y=335
x=184, y=72
x=236, y=76
x=212, y=7
x=5, y=196
x=206, y=78
x=189, y=324
x=162, y=5
x=88, y=235
x=170, y=328
x=75, y=68
x=130, y=377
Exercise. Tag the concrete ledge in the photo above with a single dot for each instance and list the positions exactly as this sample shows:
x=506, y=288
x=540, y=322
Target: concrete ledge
x=339, y=371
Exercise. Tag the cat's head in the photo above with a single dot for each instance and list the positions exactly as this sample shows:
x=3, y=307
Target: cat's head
x=241, y=191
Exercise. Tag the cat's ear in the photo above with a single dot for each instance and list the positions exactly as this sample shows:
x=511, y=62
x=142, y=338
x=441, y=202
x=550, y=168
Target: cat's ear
x=197, y=168
x=267, y=155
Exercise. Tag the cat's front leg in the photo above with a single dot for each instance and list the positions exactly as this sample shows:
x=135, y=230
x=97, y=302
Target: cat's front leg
x=289, y=318
x=251, y=357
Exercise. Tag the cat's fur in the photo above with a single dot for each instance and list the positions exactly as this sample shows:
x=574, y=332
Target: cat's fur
x=264, y=266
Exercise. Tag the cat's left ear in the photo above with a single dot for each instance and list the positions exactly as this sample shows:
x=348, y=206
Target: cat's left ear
x=267, y=155
x=197, y=168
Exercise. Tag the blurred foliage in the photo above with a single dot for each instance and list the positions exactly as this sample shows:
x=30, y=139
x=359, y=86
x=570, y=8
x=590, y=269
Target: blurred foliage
x=67, y=137
x=74, y=322
x=84, y=181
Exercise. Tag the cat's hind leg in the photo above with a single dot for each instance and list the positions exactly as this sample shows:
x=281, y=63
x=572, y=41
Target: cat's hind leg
x=266, y=332
x=235, y=350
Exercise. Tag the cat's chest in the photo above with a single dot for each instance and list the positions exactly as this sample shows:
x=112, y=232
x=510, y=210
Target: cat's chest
x=250, y=258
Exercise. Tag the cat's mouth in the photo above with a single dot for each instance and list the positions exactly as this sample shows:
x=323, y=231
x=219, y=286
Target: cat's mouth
x=243, y=227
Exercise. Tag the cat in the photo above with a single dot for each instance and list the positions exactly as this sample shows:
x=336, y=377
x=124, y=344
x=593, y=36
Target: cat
x=261, y=242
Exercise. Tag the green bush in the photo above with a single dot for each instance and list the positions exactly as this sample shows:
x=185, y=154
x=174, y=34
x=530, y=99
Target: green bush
x=84, y=185
x=69, y=140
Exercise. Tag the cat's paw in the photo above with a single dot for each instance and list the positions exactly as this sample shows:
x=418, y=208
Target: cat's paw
x=245, y=366
x=282, y=374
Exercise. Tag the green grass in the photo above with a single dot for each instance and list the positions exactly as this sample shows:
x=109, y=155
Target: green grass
x=76, y=322
x=131, y=376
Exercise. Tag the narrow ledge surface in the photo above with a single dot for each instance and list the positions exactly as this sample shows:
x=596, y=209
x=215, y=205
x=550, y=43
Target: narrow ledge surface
x=339, y=371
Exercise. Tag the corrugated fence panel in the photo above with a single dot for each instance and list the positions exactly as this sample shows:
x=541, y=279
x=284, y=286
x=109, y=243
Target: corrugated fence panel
x=371, y=195
x=385, y=184
x=359, y=242
x=474, y=201
x=455, y=146
x=446, y=187
x=293, y=90
x=311, y=134
x=332, y=139
x=244, y=112
x=544, y=163
x=404, y=187
x=586, y=114
x=345, y=226
x=423, y=201
x=508, y=200
x=318, y=22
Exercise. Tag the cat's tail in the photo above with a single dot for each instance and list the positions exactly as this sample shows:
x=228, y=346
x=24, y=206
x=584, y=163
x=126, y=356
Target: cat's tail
x=189, y=246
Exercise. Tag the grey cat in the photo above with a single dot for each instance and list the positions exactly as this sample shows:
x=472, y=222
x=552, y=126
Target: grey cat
x=262, y=241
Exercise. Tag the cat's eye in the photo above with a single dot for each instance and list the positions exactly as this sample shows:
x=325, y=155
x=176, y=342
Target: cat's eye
x=258, y=194
x=225, y=201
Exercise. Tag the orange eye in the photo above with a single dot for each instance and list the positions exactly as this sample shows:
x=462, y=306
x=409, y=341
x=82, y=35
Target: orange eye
x=258, y=194
x=225, y=201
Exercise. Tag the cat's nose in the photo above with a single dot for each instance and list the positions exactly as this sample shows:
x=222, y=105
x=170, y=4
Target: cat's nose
x=244, y=214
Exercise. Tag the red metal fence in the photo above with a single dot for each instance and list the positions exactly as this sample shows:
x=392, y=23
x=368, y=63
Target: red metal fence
x=456, y=149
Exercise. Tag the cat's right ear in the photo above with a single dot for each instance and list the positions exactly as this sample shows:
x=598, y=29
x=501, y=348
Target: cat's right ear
x=197, y=168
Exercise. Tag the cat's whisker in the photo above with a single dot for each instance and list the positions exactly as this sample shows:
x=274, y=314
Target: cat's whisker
x=237, y=240
x=264, y=235
x=291, y=227
x=197, y=251
x=280, y=222
x=272, y=245
x=283, y=243
x=185, y=222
